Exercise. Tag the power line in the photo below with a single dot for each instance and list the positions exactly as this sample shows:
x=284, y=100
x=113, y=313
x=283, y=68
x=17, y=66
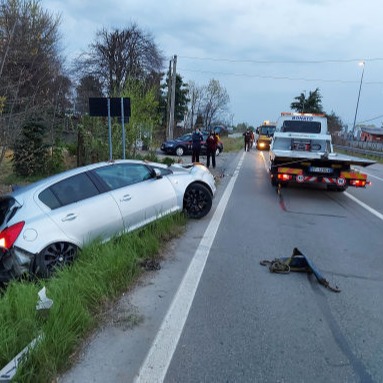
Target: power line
x=281, y=77
x=371, y=119
x=281, y=61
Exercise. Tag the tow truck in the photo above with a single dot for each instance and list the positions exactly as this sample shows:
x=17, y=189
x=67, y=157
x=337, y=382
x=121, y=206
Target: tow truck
x=265, y=133
x=301, y=152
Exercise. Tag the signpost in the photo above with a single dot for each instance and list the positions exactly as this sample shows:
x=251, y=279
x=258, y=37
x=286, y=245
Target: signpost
x=111, y=107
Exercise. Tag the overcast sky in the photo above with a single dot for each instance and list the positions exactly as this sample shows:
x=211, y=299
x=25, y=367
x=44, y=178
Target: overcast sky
x=264, y=52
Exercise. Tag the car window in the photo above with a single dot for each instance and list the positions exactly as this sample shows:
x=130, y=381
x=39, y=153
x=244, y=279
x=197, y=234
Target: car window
x=70, y=190
x=186, y=137
x=7, y=209
x=120, y=175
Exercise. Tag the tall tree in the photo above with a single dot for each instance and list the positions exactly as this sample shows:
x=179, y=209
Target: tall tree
x=311, y=104
x=31, y=70
x=215, y=102
x=195, y=97
x=334, y=123
x=181, y=99
x=119, y=55
x=89, y=86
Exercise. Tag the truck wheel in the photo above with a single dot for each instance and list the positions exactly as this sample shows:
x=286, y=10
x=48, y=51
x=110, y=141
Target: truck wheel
x=336, y=188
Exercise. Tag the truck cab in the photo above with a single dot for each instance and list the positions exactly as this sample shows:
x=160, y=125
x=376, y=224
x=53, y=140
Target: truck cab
x=265, y=134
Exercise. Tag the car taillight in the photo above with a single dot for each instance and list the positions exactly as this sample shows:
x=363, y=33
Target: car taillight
x=9, y=235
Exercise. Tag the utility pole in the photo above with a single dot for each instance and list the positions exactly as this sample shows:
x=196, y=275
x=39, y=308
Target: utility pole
x=168, y=101
x=357, y=103
x=173, y=97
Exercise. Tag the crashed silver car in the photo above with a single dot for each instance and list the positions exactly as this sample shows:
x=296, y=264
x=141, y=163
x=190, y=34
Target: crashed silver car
x=44, y=224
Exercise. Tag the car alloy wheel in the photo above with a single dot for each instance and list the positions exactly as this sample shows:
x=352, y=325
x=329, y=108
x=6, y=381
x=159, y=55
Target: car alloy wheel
x=53, y=257
x=197, y=200
x=180, y=151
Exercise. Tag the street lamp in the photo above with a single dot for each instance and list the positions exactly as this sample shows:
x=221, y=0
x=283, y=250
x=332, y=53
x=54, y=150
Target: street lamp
x=362, y=63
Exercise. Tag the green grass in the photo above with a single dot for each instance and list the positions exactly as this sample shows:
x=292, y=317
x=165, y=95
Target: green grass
x=232, y=144
x=81, y=293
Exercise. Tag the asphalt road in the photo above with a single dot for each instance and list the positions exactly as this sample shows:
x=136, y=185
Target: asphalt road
x=243, y=323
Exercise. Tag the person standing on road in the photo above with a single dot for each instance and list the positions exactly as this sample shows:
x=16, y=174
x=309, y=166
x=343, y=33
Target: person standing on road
x=251, y=138
x=197, y=138
x=211, y=148
x=247, y=137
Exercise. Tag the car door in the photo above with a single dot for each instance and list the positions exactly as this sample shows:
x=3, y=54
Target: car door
x=140, y=195
x=81, y=211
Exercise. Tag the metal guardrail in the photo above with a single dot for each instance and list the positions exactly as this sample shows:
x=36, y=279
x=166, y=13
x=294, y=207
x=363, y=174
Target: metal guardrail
x=366, y=152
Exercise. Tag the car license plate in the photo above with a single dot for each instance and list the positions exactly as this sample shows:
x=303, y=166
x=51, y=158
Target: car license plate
x=316, y=169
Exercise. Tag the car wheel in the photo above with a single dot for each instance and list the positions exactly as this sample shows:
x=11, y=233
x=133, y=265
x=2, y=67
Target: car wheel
x=53, y=257
x=180, y=151
x=197, y=201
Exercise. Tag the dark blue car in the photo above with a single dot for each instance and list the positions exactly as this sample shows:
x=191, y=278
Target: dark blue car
x=183, y=145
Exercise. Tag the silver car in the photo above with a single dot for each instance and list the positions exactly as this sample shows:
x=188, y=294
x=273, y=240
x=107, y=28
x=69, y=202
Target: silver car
x=44, y=224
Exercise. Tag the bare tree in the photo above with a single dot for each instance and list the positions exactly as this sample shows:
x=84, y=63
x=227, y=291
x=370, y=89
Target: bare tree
x=215, y=102
x=120, y=55
x=195, y=100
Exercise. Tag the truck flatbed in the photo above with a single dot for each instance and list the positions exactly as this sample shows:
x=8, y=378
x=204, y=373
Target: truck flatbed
x=292, y=155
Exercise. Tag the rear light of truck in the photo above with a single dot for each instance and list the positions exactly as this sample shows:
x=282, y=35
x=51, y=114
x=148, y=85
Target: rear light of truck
x=284, y=177
x=358, y=183
x=9, y=235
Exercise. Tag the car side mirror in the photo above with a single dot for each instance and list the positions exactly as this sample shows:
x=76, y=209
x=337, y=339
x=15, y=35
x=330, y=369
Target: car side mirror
x=157, y=173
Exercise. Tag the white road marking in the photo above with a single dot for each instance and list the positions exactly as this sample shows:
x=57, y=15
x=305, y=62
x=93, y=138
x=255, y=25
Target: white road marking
x=372, y=176
x=157, y=361
x=365, y=206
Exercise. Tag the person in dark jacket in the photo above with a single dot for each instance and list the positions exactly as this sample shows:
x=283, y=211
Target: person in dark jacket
x=211, y=148
x=197, y=138
x=247, y=137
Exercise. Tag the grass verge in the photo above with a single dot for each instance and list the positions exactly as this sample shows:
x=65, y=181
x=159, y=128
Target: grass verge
x=80, y=294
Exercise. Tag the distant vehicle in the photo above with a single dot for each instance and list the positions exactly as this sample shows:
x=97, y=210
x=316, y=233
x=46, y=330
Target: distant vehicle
x=265, y=133
x=43, y=225
x=183, y=145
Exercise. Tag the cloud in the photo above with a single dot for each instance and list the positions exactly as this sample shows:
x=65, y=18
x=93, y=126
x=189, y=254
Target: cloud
x=259, y=50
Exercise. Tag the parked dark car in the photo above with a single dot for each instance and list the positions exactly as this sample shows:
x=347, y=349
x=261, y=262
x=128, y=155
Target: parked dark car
x=183, y=145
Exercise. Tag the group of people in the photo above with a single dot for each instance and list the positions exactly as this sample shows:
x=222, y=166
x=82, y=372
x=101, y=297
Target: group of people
x=249, y=139
x=211, y=146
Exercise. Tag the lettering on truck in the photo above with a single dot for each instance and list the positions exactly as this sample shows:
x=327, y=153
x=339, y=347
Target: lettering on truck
x=302, y=118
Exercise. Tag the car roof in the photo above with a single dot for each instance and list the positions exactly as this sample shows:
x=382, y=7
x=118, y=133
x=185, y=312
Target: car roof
x=68, y=173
